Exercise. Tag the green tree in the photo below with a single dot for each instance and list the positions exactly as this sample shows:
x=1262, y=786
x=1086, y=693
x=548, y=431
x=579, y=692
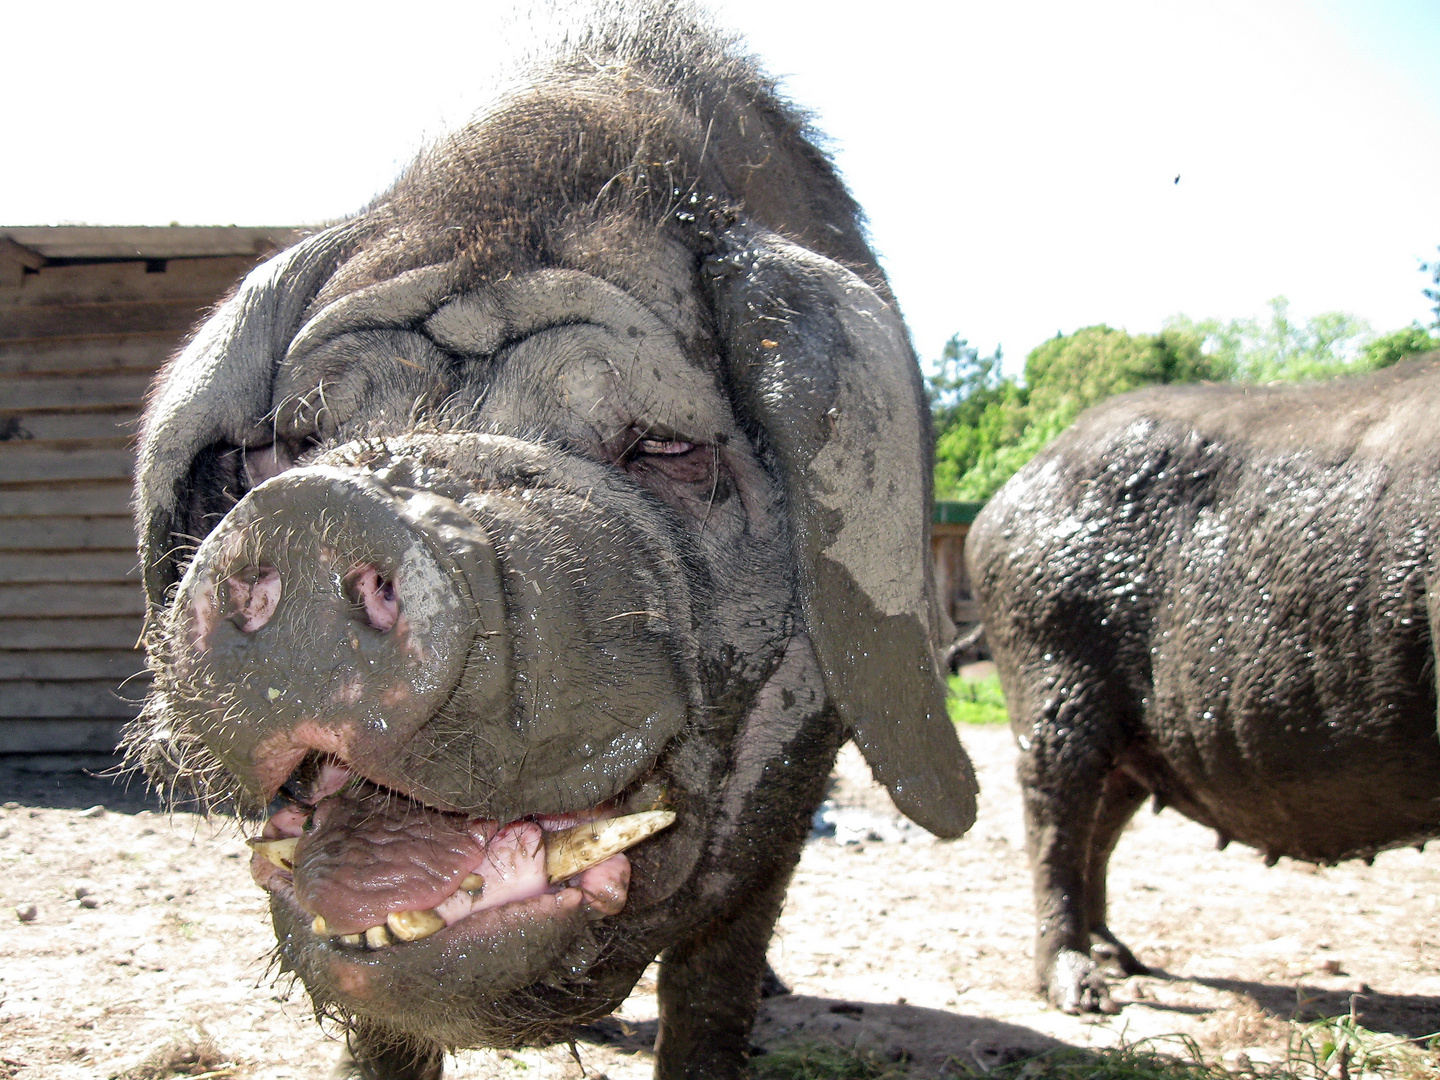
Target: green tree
x=1433, y=295
x=988, y=425
x=1395, y=346
x=975, y=408
x=1069, y=373
x=964, y=383
x=1279, y=348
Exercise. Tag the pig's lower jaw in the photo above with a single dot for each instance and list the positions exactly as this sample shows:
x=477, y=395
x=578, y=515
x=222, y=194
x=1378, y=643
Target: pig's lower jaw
x=353, y=877
x=457, y=930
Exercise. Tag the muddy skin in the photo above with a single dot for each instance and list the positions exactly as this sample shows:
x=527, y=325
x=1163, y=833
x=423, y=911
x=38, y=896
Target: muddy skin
x=1221, y=597
x=552, y=495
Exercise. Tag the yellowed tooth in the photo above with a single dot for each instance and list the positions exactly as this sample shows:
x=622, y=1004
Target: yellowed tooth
x=317, y=926
x=571, y=851
x=413, y=925
x=353, y=939
x=377, y=937
x=280, y=852
x=472, y=883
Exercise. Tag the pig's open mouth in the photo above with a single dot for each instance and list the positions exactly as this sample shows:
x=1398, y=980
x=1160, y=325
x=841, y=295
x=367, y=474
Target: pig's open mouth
x=374, y=869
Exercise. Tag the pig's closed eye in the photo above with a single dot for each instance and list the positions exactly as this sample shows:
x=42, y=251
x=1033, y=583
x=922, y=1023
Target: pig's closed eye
x=667, y=447
x=675, y=459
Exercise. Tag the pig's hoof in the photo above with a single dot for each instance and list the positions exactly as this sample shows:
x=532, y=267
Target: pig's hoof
x=1107, y=949
x=771, y=984
x=1075, y=985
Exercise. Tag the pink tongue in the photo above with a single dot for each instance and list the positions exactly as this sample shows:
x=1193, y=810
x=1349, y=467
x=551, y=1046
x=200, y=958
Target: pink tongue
x=372, y=853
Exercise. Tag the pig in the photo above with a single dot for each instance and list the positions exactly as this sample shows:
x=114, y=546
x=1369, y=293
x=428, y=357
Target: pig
x=1219, y=597
x=520, y=551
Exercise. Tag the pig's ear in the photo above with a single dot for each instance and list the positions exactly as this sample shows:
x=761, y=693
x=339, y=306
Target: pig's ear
x=217, y=390
x=823, y=369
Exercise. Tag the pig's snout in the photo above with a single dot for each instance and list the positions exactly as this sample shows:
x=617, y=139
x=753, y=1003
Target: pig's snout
x=481, y=645
x=322, y=612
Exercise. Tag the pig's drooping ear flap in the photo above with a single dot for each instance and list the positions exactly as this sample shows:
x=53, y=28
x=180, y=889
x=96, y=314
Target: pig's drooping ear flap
x=218, y=388
x=822, y=365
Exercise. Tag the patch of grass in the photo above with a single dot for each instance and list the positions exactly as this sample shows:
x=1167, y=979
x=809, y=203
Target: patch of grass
x=977, y=701
x=1340, y=1046
x=821, y=1061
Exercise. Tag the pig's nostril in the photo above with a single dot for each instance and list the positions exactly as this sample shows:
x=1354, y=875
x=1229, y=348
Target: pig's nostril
x=373, y=592
x=253, y=595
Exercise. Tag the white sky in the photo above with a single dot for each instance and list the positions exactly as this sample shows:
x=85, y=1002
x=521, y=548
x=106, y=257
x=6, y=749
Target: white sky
x=1017, y=160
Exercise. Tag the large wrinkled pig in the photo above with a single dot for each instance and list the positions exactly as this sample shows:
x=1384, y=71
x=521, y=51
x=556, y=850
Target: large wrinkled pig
x=522, y=549
x=1224, y=597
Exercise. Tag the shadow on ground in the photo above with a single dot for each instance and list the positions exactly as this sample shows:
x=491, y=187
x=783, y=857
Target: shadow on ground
x=923, y=1038
x=72, y=782
x=1411, y=1016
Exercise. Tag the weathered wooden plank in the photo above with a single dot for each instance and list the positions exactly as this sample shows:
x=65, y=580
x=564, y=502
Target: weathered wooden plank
x=22, y=463
x=77, y=320
x=112, y=427
x=69, y=566
x=113, y=664
x=67, y=534
x=112, y=632
x=66, y=598
x=74, y=500
x=201, y=280
x=150, y=241
x=101, y=698
x=77, y=500
x=122, y=352
x=59, y=736
x=67, y=392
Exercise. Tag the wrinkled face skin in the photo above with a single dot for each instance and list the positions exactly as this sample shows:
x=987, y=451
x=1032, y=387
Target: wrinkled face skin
x=503, y=594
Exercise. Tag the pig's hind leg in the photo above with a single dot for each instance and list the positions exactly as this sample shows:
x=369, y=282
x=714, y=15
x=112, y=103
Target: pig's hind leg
x=1076, y=804
x=1120, y=796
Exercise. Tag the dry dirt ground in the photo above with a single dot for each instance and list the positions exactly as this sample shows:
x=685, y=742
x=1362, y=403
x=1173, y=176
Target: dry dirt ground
x=146, y=929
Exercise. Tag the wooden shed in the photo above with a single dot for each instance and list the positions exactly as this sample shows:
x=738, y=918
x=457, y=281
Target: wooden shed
x=950, y=526
x=87, y=315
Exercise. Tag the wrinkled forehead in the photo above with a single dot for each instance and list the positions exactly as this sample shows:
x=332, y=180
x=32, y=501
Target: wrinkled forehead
x=621, y=338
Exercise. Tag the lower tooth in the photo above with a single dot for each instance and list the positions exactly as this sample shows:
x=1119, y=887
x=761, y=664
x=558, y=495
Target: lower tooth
x=352, y=939
x=377, y=937
x=473, y=883
x=413, y=925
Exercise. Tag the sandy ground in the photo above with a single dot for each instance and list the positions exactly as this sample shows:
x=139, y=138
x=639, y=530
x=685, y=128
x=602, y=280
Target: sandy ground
x=146, y=928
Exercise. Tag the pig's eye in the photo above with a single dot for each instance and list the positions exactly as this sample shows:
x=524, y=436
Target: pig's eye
x=675, y=459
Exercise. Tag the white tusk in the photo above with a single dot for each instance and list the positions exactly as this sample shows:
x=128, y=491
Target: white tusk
x=571, y=851
x=413, y=925
x=280, y=852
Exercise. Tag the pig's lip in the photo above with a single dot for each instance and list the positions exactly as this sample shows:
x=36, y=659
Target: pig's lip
x=562, y=904
x=596, y=891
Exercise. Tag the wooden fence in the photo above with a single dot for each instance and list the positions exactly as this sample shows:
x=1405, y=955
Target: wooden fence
x=87, y=315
